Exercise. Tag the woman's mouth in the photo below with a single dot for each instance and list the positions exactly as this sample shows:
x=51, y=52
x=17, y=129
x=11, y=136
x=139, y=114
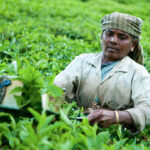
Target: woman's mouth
x=112, y=49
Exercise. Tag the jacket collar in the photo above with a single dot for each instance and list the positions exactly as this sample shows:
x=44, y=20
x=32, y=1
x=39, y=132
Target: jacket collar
x=95, y=60
x=122, y=66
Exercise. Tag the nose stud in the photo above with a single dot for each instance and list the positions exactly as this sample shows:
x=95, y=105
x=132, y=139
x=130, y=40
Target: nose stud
x=113, y=40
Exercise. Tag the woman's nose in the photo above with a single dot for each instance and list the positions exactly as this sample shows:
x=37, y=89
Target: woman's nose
x=114, y=39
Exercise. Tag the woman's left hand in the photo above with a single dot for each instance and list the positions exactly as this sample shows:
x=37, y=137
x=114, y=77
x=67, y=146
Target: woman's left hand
x=102, y=117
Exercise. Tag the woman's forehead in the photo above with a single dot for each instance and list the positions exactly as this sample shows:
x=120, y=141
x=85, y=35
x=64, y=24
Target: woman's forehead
x=116, y=31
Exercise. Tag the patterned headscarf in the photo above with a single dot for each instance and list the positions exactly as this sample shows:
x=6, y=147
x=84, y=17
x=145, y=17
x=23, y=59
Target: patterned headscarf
x=129, y=24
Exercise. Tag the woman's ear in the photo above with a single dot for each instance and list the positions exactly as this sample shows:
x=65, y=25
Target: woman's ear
x=134, y=43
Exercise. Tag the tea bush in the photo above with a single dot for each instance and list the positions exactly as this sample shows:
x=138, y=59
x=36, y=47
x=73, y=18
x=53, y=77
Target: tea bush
x=42, y=37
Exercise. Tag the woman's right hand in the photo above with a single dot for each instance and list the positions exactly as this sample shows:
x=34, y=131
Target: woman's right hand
x=104, y=118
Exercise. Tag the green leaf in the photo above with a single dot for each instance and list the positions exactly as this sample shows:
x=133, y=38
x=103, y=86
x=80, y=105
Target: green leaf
x=34, y=113
x=64, y=118
x=103, y=137
x=16, y=90
x=120, y=144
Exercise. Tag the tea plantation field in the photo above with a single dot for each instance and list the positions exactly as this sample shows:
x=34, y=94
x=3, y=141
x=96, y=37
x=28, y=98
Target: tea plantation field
x=38, y=39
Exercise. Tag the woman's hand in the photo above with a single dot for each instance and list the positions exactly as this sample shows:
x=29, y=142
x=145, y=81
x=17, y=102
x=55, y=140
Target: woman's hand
x=103, y=117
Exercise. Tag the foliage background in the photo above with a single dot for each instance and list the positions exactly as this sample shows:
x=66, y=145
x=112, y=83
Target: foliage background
x=43, y=36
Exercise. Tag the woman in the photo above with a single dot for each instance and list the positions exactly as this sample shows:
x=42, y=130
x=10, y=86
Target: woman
x=115, y=81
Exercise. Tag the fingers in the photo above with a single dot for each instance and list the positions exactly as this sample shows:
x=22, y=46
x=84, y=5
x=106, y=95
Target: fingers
x=103, y=123
x=95, y=115
x=99, y=120
x=104, y=118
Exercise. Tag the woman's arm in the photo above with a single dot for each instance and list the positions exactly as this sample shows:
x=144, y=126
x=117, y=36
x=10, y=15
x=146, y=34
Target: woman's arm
x=68, y=78
x=125, y=117
x=105, y=118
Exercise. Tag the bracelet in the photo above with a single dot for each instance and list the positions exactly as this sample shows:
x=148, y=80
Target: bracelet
x=117, y=117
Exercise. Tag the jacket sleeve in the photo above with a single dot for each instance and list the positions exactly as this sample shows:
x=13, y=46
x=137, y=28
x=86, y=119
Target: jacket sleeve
x=141, y=99
x=69, y=78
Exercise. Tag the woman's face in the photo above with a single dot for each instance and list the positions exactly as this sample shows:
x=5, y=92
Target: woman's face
x=116, y=44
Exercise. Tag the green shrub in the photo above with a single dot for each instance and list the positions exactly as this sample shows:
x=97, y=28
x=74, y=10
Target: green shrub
x=42, y=37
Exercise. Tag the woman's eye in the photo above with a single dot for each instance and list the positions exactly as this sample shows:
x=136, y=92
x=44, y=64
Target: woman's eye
x=108, y=33
x=122, y=37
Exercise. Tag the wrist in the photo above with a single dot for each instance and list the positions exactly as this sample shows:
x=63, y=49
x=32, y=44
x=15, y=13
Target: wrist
x=124, y=117
x=117, y=119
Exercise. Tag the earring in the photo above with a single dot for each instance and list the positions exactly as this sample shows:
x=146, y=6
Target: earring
x=132, y=50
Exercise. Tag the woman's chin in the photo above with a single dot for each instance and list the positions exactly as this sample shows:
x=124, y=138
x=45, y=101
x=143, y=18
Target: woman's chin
x=112, y=56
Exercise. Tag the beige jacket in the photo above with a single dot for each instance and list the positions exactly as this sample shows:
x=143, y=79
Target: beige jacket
x=125, y=87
